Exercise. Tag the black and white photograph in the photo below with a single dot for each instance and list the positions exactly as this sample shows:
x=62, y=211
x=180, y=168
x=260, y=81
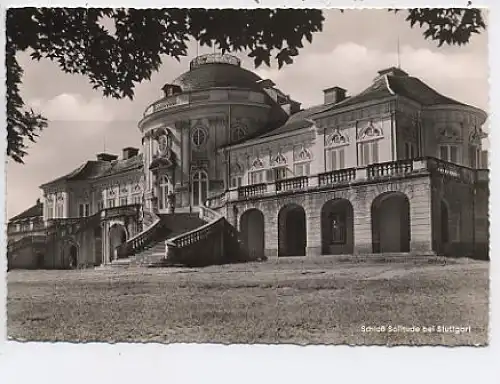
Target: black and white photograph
x=248, y=176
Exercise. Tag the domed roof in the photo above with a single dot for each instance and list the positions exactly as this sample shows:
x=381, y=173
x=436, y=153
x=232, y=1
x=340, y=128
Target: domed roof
x=216, y=70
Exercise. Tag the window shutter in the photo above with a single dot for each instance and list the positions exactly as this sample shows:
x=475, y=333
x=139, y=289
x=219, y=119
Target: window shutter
x=375, y=152
x=334, y=160
x=269, y=175
x=366, y=154
x=454, y=153
x=443, y=152
x=341, y=159
x=328, y=161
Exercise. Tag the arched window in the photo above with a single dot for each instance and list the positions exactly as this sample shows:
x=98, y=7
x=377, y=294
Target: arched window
x=368, y=145
x=199, y=188
x=163, y=192
x=199, y=136
x=238, y=132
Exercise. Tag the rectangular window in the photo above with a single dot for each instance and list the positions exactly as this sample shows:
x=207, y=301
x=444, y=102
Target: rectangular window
x=453, y=154
x=50, y=211
x=110, y=203
x=59, y=210
x=374, y=147
x=368, y=153
x=280, y=173
x=335, y=159
x=302, y=169
x=449, y=153
x=410, y=151
x=123, y=201
x=136, y=198
x=84, y=210
x=100, y=205
x=256, y=177
x=236, y=181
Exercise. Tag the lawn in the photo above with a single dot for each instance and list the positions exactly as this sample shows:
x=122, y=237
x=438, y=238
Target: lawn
x=294, y=300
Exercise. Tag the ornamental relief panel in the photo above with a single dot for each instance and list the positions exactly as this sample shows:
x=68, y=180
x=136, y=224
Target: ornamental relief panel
x=449, y=132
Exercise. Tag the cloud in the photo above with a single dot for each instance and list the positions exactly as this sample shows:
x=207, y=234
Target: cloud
x=73, y=107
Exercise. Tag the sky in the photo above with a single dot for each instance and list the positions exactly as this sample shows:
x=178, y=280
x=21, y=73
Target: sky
x=349, y=51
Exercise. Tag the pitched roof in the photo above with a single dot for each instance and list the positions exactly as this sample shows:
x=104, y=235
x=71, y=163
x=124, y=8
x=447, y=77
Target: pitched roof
x=94, y=169
x=391, y=82
x=33, y=211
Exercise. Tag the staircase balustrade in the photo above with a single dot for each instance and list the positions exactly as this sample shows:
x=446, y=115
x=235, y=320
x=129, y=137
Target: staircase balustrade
x=216, y=201
x=143, y=239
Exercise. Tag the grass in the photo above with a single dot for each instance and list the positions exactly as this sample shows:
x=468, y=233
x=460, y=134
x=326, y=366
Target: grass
x=294, y=300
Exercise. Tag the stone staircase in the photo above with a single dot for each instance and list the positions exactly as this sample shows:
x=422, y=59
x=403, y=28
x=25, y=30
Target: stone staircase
x=173, y=225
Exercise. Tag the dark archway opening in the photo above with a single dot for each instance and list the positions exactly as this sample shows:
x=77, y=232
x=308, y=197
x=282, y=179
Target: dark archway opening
x=390, y=216
x=39, y=260
x=73, y=256
x=292, y=232
x=337, y=227
x=252, y=233
x=117, y=237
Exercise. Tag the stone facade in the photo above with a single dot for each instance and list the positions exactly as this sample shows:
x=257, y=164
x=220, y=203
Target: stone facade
x=397, y=168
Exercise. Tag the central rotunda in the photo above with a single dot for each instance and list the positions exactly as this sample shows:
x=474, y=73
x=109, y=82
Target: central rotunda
x=214, y=104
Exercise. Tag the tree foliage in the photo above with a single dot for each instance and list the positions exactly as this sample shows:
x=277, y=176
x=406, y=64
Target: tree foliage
x=118, y=48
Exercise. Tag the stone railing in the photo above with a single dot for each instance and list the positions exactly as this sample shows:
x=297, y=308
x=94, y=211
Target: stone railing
x=338, y=176
x=24, y=242
x=120, y=211
x=216, y=201
x=166, y=103
x=252, y=190
x=213, y=243
x=483, y=175
x=293, y=184
x=370, y=173
x=207, y=214
x=75, y=224
x=392, y=168
x=451, y=170
x=144, y=239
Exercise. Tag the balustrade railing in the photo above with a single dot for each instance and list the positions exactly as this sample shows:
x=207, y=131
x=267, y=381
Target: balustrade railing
x=294, y=184
x=208, y=214
x=216, y=201
x=445, y=168
x=142, y=240
x=337, y=176
x=25, y=241
x=392, y=168
x=252, y=190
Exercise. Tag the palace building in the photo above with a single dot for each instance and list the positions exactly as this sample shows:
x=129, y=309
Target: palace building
x=232, y=169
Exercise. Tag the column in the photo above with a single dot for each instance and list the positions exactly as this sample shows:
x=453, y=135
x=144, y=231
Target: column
x=105, y=244
x=185, y=155
x=318, y=163
x=312, y=208
x=66, y=204
x=271, y=230
x=362, y=223
x=421, y=216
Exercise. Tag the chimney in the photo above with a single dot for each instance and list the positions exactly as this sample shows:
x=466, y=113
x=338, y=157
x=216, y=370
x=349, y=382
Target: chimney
x=106, y=157
x=334, y=95
x=129, y=152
